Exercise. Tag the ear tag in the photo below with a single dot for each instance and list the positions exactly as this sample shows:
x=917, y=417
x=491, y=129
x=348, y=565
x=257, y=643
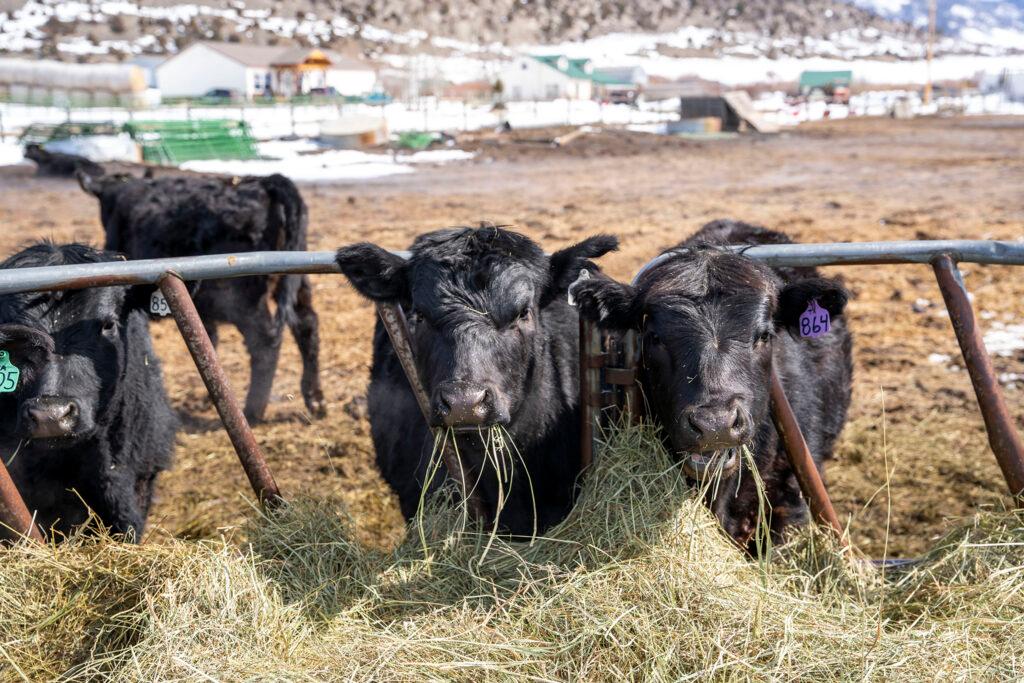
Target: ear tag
x=815, y=321
x=8, y=374
x=158, y=305
x=584, y=275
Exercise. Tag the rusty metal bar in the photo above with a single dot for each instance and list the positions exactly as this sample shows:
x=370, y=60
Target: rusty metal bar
x=393, y=319
x=15, y=520
x=630, y=356
x=199, y=345
x=1002, y=436
x=800, y=458
x=590, y=386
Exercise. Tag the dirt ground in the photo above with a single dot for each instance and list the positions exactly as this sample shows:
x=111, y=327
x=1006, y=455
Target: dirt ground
x=835, y=181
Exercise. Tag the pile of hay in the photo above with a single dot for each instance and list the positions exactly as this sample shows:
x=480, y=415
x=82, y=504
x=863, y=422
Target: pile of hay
x=639, y=583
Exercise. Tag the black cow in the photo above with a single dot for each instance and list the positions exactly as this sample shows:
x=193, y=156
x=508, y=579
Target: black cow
x=188, y=216
x=712, y=322
x=60, y=164
x=88, y=424
x=497, y=346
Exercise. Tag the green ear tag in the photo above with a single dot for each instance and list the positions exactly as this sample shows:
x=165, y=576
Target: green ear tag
x=8, y=374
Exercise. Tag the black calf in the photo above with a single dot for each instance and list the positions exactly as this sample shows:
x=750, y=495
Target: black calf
x=88, y=425
x=713, y=322
x=497, y=347
x=188, y=216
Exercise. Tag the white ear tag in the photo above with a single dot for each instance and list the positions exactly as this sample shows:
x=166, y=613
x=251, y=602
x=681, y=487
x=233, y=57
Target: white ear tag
x=158, y=305
x=584, y=275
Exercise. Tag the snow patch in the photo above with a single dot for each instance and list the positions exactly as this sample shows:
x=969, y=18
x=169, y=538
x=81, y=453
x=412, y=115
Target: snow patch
x=1003, y=339
x=307, y=161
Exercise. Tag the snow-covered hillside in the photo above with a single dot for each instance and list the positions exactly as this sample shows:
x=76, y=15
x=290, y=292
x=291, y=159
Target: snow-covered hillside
x=985, y=22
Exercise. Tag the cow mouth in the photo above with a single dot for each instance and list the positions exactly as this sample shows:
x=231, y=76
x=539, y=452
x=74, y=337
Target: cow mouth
x=720, y=463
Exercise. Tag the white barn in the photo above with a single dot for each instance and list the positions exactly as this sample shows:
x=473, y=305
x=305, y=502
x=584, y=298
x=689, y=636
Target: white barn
x=258, y=70
x=547, y=78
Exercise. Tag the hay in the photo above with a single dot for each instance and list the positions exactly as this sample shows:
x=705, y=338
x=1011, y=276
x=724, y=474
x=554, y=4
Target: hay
x=637, y=584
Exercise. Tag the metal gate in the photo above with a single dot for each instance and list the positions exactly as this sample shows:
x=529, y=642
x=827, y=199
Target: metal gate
x=607, y=367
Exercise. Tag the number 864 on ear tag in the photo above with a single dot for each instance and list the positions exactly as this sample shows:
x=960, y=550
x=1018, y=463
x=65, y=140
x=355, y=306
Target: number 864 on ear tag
x=8, y=374
x=815, y=321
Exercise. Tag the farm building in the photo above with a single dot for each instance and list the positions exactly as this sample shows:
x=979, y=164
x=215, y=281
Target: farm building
x=148, y=64
x=45, y=82
x=619, y=84
x=259, y=71
x=734, y=111
x=549, y=77
x=829, y=82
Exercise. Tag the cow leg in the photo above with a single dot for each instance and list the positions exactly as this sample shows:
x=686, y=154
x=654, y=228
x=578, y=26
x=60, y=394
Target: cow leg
x=118, y=505
x=262, y=335
x=211, y=331
x=144, y=493
x=305, y=326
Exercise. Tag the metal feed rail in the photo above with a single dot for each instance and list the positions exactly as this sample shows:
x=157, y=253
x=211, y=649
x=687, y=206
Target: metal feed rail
x=169, y=275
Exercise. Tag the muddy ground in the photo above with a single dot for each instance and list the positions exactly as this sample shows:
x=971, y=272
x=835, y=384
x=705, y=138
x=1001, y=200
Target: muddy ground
x=842, y=180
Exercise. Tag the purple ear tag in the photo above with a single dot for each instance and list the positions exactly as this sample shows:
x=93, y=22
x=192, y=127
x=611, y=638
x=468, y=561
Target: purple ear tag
x=815, y=321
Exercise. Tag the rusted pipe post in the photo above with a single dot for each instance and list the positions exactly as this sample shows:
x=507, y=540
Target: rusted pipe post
x=395, y=325
x=590, y=387
x=15, y=519
x=1002, y=436
x=803, y=464
x=630, y=355
x=199, y=345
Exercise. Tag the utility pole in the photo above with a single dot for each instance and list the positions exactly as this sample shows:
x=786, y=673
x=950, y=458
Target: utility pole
x=931, y=41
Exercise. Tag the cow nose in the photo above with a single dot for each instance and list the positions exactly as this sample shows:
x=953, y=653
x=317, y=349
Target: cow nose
x=463, y=404
x=50, y=417
x=718, y=426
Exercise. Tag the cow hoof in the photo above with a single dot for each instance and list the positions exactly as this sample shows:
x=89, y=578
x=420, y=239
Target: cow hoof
x=317, y=407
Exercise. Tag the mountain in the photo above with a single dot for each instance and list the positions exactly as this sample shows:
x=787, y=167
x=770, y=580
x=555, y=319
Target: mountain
x=97, y=29
x=998, y=23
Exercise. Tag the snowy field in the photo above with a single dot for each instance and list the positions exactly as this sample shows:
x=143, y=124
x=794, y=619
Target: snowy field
x=302, y=160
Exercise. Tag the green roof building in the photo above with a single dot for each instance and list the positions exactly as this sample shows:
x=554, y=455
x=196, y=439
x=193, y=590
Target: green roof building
x=827, y=81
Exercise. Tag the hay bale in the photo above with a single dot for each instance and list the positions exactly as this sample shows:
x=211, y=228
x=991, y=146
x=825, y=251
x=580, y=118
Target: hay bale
x=638, y=582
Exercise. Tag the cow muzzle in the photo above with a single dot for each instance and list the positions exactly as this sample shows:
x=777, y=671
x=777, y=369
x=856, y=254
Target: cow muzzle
x=462, y=404
x=50, y=417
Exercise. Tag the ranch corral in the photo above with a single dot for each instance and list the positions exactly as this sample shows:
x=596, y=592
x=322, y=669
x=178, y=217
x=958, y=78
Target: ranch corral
x=913, y=409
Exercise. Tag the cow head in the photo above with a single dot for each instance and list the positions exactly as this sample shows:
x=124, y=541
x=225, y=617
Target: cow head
x=106, y=188
x=69, y=347
x=707, y=319
x=476, y=300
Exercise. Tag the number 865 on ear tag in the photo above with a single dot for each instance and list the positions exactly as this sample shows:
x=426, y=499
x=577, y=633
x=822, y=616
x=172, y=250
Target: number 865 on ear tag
x=8, y=374
x=815, y=321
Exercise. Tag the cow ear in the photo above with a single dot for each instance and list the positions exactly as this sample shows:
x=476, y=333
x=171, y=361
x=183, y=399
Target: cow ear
x=796, y=296
x=611, y=304
x=139, y=298
x=88, y=183
x=376, y=273
x=149, y=300
x=27, y=347
x=566, y=264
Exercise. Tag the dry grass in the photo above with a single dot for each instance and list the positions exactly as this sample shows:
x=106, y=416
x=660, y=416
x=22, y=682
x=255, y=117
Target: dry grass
x=637, y=584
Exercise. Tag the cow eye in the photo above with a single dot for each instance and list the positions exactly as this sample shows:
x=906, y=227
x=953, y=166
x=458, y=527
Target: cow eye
x=763, y=338
x=524, y=315
x=109, y=325
x=652, y=339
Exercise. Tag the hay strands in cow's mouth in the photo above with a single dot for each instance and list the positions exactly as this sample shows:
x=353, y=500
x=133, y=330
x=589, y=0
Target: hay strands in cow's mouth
x=724, y=463
x=719, y=463
x=499, y=455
